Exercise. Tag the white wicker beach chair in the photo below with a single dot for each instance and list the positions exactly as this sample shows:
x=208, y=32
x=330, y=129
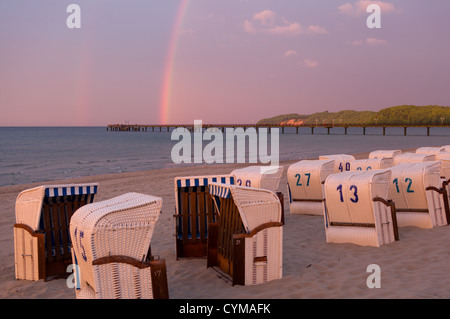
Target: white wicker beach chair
x=371, y=163
x=246, y=245
x=357, y=209
x=446, y=148
x=384, y=153
x=305, y=186
x=194, y=209
x=413, y=158
x=111, y=249
x=41, y=233
x=431, y=151
x=341, y=161
x=266, y=177
x=419, y=196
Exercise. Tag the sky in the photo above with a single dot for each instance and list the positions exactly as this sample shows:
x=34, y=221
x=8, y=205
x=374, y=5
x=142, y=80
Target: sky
x=233, y=61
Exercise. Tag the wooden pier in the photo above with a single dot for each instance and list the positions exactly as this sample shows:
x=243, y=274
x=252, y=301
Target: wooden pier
x=282, y=127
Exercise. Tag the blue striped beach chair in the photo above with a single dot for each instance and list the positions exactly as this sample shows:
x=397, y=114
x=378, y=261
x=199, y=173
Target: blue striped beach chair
x=41, y=232
x=194, y=209
x=246, y=243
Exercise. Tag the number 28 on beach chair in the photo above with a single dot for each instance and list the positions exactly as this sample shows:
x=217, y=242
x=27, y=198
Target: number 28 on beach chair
x=357, y=209
x=111, y=249
x=245, y=245
x=41, y=233
x=194, y=209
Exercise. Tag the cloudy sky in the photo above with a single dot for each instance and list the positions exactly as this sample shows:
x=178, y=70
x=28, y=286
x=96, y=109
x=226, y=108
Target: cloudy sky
x=233, y=61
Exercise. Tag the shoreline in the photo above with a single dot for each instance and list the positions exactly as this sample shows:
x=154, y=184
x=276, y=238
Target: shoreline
x=413, y=267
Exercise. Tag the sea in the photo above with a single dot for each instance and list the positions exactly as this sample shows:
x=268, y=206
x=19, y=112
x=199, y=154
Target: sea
x=41, y=154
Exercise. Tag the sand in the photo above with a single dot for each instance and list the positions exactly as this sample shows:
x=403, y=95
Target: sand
x=416, y=266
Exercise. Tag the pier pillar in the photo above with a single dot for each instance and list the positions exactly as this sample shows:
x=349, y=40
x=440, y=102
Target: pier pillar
x=404, y=130
x=282, y=130
x=328, y=130
x=428, y=131
x=364, y=130
x=384, y=130
x=297, y=129
x=345, y=128
x=312, y=130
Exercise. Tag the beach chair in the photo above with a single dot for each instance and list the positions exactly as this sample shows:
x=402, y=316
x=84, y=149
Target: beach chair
x=305, y=186
x=430, y=150
x=358, y=210
x=245, y=246
x=42, y=245
x=266, y=177
x=111, y=249
x=341, y=161
x=371, y=163
x=194, y=209
x=419, y=196
x=384, y=153
x=446, y=148
x=413, y=158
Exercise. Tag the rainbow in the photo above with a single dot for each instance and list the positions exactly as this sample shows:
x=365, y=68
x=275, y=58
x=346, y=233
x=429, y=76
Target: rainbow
x=170, y=63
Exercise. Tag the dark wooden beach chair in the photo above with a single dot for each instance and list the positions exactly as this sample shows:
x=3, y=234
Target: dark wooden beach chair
x=245, y=244
x=194, y=210
x=41, y=234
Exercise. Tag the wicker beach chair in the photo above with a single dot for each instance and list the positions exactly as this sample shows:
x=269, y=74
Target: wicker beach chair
x=42, y=244
x=430, y=150
x=419, y=196
x=111, y=249
x=245, y=245
x=266, y=177
x=371, y=163
x=194, y=209
x=413, y=158
x=357, y=208
x=384, y=153
x=341, y=161
x=305, y=186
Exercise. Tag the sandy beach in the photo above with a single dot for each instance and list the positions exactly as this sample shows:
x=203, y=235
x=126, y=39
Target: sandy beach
x=416, y=266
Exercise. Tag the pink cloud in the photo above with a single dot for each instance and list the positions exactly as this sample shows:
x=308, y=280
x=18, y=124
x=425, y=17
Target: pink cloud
x=375, y=42
x=289, y=53
x=269, y=22
x=309, y=63
x=360, y=7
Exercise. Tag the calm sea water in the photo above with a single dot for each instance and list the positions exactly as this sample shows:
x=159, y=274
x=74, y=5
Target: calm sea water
x=39, y=154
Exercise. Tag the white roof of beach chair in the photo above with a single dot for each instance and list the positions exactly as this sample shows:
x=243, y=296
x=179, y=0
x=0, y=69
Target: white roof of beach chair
x=430, y=150
x=413, y=158
x=384, y=153
x=371, y=163
x=30, y=201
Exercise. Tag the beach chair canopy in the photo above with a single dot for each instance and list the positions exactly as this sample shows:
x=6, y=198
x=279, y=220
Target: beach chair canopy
x=413, y=158
x=122, y=226
x=446, y=148
x=371, y=163
x=384, y=153
x=30, y=202
x=414, y=188
x=305, y=185
x=266, y=177
x=430, y=150
x=341, y=161
x=357, y=210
